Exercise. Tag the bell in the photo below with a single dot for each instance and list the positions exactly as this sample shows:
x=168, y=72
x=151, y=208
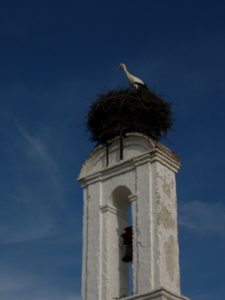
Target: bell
x=127, y=242
x=128, y=254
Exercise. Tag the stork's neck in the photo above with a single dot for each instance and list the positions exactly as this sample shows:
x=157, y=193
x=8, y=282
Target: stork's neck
x=125, y=69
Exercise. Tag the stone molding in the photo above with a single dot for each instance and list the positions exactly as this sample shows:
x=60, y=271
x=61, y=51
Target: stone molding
x=113, y=210
x=132, y=197
x=141, y=144
x=159, y=294
x=163, y=158
x=155, y=155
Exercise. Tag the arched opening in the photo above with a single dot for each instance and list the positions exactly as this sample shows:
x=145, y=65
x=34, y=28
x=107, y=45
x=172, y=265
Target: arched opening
x=123, y=229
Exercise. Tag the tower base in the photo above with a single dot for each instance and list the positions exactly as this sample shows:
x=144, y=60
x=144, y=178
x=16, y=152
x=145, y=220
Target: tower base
x=159, y=294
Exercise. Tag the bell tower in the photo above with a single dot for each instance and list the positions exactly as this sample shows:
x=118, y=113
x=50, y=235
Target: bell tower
x=130, y=237
x=144, y=183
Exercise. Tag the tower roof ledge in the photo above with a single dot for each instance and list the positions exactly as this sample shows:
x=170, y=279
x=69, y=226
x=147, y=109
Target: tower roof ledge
x=134, y=145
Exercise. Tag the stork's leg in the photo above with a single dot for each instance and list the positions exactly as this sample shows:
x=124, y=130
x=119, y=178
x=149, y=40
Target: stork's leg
x=121, y=147
x=107, y=154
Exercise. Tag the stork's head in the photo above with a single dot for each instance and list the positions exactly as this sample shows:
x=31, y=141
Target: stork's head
x=121, y=66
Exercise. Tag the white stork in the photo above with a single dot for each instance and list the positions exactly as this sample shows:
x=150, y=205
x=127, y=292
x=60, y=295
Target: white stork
x=133, y=80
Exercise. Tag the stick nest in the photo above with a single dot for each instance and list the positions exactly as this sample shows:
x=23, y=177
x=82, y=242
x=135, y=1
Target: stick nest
x=118, y=112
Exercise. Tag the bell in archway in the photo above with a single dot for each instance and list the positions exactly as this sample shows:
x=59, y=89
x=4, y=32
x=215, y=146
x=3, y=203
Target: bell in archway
x=127, y=244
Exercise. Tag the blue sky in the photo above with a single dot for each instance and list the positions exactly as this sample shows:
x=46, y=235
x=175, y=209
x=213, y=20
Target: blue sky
x=55, y=57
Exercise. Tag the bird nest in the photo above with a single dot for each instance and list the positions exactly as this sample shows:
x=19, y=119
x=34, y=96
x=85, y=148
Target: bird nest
x=118, y=112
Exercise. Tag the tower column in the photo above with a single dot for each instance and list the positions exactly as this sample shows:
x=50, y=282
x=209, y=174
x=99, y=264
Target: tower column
x=91, y=272
x=143, y=251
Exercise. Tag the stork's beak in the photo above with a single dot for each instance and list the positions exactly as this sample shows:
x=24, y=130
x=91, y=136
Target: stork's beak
x=119, y=67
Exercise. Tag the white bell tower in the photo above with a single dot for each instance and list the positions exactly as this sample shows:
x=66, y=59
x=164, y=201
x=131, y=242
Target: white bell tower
x=144, y=183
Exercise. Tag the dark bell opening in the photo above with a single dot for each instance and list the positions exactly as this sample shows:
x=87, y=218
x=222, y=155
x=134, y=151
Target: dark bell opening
x=127, y=242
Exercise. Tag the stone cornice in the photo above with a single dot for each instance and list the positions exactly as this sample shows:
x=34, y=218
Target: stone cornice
x=155, y=155
x=165, y=159
x=113, y=210
x=132, y=197
x=158, y=294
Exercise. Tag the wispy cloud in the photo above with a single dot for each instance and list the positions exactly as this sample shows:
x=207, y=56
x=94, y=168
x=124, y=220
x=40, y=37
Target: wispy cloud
x=203, y=218
x=37, y=151
x=25, y=218
x=37, y=148
x=20, y=285
x=27, y=230
x=59, y=297
x=29, y=211
x=14, y=281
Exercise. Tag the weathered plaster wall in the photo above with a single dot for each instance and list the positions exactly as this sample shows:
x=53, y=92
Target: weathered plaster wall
x=166, y=240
